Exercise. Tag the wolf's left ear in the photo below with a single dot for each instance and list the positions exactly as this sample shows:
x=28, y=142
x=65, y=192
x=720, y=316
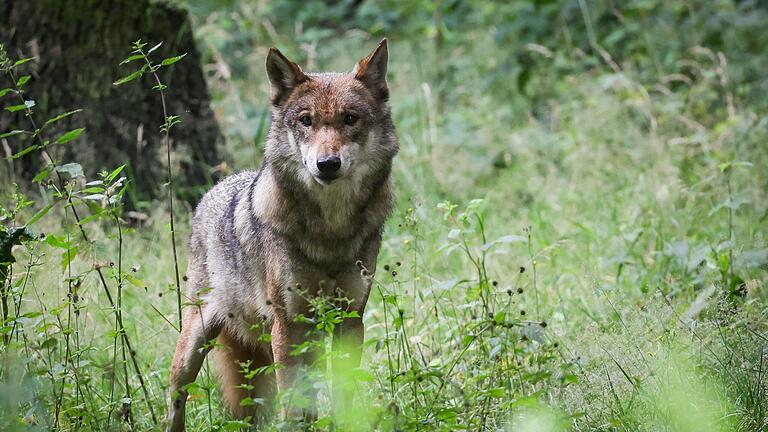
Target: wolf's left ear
x=372, y=70
x=284, y=75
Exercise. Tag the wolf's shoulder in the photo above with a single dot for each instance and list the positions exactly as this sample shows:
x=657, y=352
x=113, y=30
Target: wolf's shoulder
x=233, y=183
x=219, y=197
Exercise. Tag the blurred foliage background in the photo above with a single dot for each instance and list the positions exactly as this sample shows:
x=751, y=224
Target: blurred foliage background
x=605, y=162
x=517, y=57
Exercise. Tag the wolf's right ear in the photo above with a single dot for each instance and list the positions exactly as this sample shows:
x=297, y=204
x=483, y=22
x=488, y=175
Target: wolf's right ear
x=372, y=70
x=284, y=75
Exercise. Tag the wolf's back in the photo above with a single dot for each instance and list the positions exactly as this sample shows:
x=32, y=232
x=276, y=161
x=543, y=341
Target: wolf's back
x=213, y=215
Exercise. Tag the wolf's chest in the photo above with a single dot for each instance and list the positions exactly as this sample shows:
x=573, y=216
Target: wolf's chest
x=335, y=210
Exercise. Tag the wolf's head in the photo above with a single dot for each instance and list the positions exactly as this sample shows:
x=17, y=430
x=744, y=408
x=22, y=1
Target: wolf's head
x=330, y=126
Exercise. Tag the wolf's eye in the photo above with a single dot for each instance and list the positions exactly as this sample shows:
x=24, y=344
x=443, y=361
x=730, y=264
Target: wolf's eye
x=350, y=119
x=306, y=120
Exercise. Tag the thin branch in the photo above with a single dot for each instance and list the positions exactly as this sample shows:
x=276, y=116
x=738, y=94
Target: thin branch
x=167, y=138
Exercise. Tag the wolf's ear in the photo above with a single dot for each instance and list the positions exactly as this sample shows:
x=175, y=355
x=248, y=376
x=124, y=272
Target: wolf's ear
x=372, y=70
x=284, y=75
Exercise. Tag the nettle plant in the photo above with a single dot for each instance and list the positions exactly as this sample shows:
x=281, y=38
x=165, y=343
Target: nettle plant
x=42, y=337
x=469, y=351
x=49, y=335
x=138, y=53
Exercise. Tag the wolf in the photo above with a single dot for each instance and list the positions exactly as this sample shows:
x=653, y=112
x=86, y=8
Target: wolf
x=308, y=222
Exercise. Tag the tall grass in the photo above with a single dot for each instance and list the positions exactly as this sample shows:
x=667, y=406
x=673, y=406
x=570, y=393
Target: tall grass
x=590, y=258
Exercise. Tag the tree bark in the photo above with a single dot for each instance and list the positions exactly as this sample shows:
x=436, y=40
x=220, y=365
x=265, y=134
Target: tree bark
x=78, y=45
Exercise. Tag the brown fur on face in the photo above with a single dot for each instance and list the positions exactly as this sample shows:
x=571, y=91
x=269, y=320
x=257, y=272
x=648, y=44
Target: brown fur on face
x=327, y=99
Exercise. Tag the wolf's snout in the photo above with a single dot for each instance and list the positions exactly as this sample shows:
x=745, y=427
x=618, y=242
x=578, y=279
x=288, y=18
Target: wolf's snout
x=329, y=165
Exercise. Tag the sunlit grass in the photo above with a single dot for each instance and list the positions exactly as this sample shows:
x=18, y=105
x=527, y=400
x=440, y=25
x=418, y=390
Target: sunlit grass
x=542, y=272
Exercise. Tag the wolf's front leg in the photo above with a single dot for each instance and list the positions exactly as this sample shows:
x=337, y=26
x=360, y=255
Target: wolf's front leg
x=348, y=348
x=348, y=338
x=286, y=334
x=282, y=339
x=199, y=326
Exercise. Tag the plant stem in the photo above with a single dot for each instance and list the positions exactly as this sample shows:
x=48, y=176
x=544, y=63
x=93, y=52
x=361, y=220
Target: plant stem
x=127, y=411
x=167, y=140
x=533, y=270
x=84, y=235
x=730, y=227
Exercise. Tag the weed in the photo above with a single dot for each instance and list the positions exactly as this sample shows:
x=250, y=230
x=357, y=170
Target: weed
x=611, y=276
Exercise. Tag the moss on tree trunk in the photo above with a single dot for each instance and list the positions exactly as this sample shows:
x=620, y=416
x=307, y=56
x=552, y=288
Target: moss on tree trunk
x=78, y=45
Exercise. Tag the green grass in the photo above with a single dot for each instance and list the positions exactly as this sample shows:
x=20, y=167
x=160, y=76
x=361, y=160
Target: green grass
x=557, y=261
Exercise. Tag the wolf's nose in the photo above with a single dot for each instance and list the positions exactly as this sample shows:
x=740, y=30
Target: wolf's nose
x=329, y=165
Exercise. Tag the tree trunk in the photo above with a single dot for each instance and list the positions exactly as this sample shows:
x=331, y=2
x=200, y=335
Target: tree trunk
x=77, y=45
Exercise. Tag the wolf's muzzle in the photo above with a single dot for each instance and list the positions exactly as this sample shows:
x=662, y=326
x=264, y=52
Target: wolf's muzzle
x=328, y=167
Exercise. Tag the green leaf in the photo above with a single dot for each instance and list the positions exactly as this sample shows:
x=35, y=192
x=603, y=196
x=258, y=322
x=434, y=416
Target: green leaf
x=12, y=133
x=138, y=45
x=154, y=48
x=56, y=241
x=732, y=203
x=536, y=377
x=90, y=218
x=512, y=239
x=61, y=116
x=32, y=314
x=69, y=136
x=570, y=379
x=5, y=91
x=236, y=425
x=37, y=216
x=128, y=78
x=397, y=322
x=114, y=173
x=743, y=164
x=131, y=58
x=67, y=256
x=48, y=343
x=504, y=239
x=468, y=339
x=25, y=151
x=119, y=195
x=138, y=283
x=93, y=197
x=22, y=61
x=71, y=169
x=526, y=401
x=92, y=190
x=14, y=108
x=447, y=414
x=23, y=80
x=171, y=60
x=171, y=121
x=251, y=401
x=496, y=392
x=499, y=317
x=42, y=175
x=391, y=299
